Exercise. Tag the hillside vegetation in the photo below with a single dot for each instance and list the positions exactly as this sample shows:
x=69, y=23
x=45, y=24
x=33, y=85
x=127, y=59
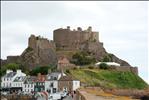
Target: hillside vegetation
x=108, y=78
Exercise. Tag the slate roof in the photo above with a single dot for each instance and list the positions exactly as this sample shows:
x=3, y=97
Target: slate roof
x=67, y=78
x=30, y=80
x=53, y=76
x=20, y=79
x=10, y=75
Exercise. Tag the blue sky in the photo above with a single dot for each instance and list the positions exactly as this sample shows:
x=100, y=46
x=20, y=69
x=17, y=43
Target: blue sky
x=123, y=26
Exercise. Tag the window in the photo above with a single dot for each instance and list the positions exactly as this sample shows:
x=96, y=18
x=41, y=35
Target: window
x=54, y=90
x=51, y=85
x=54, y=78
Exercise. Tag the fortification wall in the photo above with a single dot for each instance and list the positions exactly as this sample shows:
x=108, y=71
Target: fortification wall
x=13, y=59
x=125, y=68
x=39, y=42
x=67, y=39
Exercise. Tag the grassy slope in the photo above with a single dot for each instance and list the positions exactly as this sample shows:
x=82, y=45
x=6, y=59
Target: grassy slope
x=108, y=79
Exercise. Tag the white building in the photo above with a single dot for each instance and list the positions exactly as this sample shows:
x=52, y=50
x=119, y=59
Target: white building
x=9, y=77
x=76, y=85
x=17, y=84
x=108, y=63
x=51, y=84
x=28, y=86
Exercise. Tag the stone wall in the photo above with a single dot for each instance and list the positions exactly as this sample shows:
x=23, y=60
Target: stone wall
x=125, y=68
x=13, y=59
x=66, y=84
x=79, y=96
x=36, y=42
x=72, y=40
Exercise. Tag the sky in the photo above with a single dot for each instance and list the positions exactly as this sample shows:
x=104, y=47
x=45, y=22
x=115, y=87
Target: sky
x=122, y=25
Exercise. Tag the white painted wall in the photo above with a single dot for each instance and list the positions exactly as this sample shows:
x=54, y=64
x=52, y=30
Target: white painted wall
x=28, y=88
x=76, y=84
x=7, y=82
x=48, y=85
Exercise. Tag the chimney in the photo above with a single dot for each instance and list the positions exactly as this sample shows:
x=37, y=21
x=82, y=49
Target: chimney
x=18, y=71
x=39, y=76
x=49, y=71
x=8, y=71
x=62, y=72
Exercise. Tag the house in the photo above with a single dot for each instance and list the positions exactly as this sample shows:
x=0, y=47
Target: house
x=28, y=86
x=63, y=63
x=68, y=83
x=17, y=84
x=8, y=78
x=39, y=83
x=51, y=83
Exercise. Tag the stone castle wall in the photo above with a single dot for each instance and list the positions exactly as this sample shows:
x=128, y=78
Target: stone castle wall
x=68, y=39
x=39, y=42
x=13, y=59
x=125, y=68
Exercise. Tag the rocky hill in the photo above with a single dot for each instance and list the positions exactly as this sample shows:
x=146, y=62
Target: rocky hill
x=42, y=52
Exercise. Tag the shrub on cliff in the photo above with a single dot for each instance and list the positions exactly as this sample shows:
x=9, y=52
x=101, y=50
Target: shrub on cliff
x=82, y=58
x=42, y=69
x=103, y=66
x=107, y=58
x=29, y=49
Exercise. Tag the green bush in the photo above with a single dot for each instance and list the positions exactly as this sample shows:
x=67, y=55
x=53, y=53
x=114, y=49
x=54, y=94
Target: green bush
x=67, y=71
x=82, y=58
x=42, y=70
x=107, y=58
x=29, y=49
x=103, y=66
x=91, y=67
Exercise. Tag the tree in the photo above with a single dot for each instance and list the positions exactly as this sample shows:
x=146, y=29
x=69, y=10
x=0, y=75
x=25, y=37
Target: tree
x=13, y=66
x=82, y=58
x=42, y=69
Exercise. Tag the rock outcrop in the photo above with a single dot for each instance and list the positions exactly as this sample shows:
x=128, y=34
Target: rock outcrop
x=42, y=52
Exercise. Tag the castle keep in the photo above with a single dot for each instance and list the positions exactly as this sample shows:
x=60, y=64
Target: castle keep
x=73, y=39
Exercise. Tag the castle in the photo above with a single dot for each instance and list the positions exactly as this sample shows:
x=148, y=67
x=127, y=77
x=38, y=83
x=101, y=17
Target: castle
x=73, y=39
x=42, y=52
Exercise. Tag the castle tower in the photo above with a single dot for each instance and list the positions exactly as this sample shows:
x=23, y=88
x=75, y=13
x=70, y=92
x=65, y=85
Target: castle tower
x=32, y=41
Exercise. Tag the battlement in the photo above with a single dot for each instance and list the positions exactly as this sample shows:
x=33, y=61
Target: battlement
x=72, y=39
